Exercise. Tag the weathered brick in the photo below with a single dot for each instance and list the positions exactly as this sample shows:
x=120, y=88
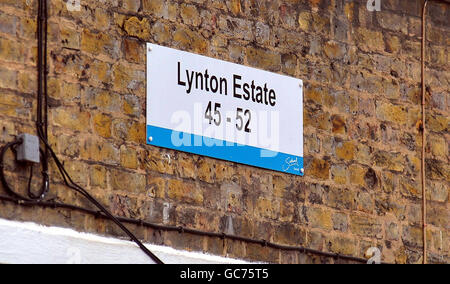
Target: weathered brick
x=345, y=151
x=319, y=168
x=189, y=40
x=184, y=192
x=263, y=59
x=11, y=51
x=190, y=15
x=357, y=173
x=100, y=151
x=137, y=28
x=289, y=234
x=365, y=226
x=342, y=245
x=128, y=157
x=205, y=170
x=389, y=161
x=339, y=173
x=339, y=125
x=369, y=40
x=8, y=24
x=97, y=43
x=102, y=124
x=70, y=37
x=98, y=176
x=391, y=113
x=10, y=104
x=126, y=79
x=340, y=198
x=9, y=78
x=128, y=182
x=71, y=118
x=267, y=208
x=319, y=218
x=340, y=222
x=133, y=50
x=153, y=6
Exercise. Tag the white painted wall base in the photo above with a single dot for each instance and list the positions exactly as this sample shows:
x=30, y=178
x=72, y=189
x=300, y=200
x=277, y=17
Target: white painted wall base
x=31, y=243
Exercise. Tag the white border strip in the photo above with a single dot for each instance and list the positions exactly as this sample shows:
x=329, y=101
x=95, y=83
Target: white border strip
x=31, y=243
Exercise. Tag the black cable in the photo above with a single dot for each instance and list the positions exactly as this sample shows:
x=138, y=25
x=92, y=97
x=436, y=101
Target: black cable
x=5, y=184
x=42, y=130
x=31, y=195
x=52, y=204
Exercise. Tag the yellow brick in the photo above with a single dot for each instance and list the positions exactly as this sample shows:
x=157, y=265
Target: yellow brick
x=11, y=50
x=236, y=6
x=98, y=176
x=138, y=28
x=369, y=40
x=190, y=15
x=263, y=59
x=153, y=6
x=319, y=169
x=392, y=113
x=304, y=19
x=348, y=10
x=8, y=78
x=136, y=132
x=189, y=40
x=102, y=125
x=94, y=43
x=319, y=218
x=27, y=82
x=185, y=192
x=125, y=78
x=346, y=151
x=128, y=157
x=333, y=50
x=343, y=245
x=71, y=118
x=186, y=166
x=357, y=173
x=156, y=186
x=128, y=182
x=159, y=162
x=102, y=19
x=205, y=170
x=439, y=146
x=134, y=50
x=28, y=27
x=10, y=104
x=339, y=174
x=100, y=151
x=161, y=33
x=70, y=37
x=131, y=5
x=267, y=208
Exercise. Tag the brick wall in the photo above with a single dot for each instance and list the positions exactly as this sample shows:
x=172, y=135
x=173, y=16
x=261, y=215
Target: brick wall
x=361, y=117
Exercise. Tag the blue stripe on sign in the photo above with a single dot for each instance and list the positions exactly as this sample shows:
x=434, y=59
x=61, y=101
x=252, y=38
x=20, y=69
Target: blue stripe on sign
x=224, y=150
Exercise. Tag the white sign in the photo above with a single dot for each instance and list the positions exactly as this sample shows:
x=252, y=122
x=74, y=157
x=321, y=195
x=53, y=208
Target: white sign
x=224, y=110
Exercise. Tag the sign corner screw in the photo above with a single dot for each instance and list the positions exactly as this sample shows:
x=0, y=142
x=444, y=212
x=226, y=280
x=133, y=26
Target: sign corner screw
x=150, y=139
x=302, y=170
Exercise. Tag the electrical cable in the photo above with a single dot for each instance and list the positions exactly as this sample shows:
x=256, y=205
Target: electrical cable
x=180, y=229
x=31, y=195
x=103, y=213
x=42, y=130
